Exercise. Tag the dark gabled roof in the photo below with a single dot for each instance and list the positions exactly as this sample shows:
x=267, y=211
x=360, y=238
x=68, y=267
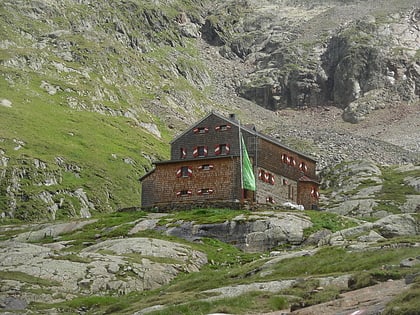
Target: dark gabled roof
x=147, y=174
x=248, y=128
x=305, y=178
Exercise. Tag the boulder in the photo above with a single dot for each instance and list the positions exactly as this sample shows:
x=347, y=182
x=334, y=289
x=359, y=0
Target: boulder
x=410, y=262
x=118, y=265
x=51, y=230
x=261, y=233
x=397, y=225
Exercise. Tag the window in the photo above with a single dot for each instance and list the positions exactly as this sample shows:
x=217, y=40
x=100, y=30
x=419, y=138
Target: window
x=206, y=167
x=205, y=191
x=303, y=167
x=223, y=127
x=200, y=151
x=315, y=193
x=183, y=153
x=222, y=149
x=284, y=158
x=271, y=179
x=201, y=130
x=266, y=177
x=288, y=160
x=261, y=174
x=184, y=193
x=269, y=200
x=184, y=171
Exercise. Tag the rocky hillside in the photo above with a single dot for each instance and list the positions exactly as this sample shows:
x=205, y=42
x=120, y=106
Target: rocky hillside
x=358, y=56
x=191, y=263
x=92, y=92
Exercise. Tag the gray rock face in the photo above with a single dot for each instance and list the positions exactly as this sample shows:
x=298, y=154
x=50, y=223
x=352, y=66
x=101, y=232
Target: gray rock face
x=388, y=227
x=51, y=230
x=122, y=265
x=355, y=66
x=358, y=188
x=398, y=225
x=349, y=196
x=257, y=234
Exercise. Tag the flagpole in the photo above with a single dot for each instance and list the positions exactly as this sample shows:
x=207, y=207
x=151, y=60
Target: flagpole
x=240, y=160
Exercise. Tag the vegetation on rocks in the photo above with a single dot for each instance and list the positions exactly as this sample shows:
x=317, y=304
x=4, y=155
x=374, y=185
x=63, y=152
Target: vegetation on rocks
x=91, y=92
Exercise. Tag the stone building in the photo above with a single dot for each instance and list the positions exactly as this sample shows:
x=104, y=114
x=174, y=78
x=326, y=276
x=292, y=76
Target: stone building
x=205, y=167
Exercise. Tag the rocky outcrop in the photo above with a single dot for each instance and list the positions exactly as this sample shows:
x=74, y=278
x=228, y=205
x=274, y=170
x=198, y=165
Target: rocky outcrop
x=27, y=187
x=114, y=266
x=361, y=189
x=367, y=233
x=257, y=233
x=305, y=58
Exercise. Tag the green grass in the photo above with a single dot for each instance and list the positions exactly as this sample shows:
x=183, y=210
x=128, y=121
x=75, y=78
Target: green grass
x=332, y=261
x=227, y=265
x=327, y=220
x=90, y=303
x=88, y=140
x=407, y=303
x=204, y=216
x=251, y=302
x=28, y=279
x=118, y=79
x=108, y=226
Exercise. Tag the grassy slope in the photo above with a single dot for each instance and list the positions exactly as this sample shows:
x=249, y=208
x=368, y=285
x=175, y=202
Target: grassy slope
x=84, y=122
x=229, y=266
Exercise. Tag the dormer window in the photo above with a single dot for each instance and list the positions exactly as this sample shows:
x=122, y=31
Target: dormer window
x=200, y=151
x=223, y=127
x=222, y=149
x=201, y=130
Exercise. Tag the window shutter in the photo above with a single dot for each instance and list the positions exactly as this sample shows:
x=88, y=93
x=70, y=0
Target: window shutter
x=190, y=172
x=303, y=167
x=227, y=148
x=272, y=181
x=179, y=172
x=195, y=152
x=217, y=149
x=183, y=153
x=314, y=193
x=206, y=151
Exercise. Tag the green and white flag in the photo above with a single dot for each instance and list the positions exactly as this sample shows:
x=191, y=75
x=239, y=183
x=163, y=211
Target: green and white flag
x=248, y=178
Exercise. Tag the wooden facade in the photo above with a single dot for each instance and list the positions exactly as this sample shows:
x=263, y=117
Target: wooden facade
x=205, y=167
